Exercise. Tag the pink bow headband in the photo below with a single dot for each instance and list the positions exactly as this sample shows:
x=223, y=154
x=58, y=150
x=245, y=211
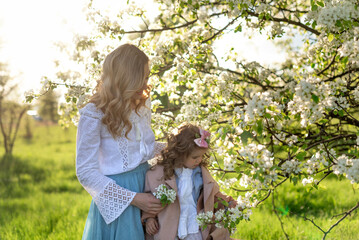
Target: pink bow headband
x=201, y=142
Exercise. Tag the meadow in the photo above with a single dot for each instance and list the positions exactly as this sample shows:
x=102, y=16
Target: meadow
x=40, y=197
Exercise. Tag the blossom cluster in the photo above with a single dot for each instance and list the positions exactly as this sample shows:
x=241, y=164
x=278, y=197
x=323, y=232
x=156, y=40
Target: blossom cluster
x=348, y=167
x=165, y=195
x=259, y=105
x=292, y=166
x=333, y=11
x=262, y=173
x=226, y=218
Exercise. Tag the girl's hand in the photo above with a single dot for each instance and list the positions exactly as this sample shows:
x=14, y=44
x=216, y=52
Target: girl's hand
x=152, y=226
x=232, y=204
x=147, y=202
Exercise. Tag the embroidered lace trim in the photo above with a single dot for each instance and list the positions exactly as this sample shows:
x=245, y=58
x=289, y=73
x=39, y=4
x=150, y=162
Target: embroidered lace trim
x=112, y=201
x=123, y=150
x=159, y=146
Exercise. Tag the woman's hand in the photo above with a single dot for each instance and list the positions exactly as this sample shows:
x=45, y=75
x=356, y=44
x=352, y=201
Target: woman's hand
x=147, y=202
x=151, y=226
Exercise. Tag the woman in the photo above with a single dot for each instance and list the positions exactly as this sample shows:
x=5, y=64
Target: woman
x=114, y=142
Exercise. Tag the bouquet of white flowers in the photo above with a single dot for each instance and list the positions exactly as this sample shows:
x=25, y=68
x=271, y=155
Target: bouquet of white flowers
x=164, y=194
x=225, y=218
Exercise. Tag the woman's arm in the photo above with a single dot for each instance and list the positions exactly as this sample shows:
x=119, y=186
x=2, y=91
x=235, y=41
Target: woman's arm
x=159, y=146
x=147, y=203
x=104, y=191
x=149, y=190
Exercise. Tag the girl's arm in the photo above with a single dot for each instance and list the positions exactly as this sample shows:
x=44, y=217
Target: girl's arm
x=146, y=214
x=219, y=197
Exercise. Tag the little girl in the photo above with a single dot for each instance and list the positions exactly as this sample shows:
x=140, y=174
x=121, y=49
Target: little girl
x=183, y=168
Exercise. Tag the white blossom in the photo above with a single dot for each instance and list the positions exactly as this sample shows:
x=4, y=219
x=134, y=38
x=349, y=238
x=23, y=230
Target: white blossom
x=165, y=194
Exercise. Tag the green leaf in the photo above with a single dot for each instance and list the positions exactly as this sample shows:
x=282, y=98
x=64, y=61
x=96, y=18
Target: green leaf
x=294, y=180
x=314, y=24
x=259, y=127
x=315, y=98
x=238, y=29
x=341, y=113
x=301, y=155
x=323, y=121
x=267, y=115
x=320, y=4
x=330, y=37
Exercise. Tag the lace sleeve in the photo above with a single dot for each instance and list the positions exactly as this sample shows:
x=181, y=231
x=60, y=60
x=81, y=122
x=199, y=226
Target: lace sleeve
x=110, y=198
x=159, y=146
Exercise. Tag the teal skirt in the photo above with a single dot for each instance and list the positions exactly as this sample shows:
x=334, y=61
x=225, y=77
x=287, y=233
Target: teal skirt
x=128, y=225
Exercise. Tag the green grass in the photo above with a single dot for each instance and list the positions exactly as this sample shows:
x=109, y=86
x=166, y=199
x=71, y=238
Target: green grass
x=292, y=203
x=41, y=198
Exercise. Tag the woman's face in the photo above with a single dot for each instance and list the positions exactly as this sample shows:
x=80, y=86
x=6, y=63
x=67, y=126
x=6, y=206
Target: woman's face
x=195, y=158
x=138, y=95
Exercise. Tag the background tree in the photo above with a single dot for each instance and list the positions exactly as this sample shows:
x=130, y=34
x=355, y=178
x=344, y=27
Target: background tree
x=293, y=122
x=11, y=112
x=48, y=106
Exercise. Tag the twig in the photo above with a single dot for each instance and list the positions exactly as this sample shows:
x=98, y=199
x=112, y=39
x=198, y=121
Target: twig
x=345, y=215
x=171, y=109
x=299, y=24
x=280, y=183
x=312, y=221
x=220, y=31
x=280, y=220
x=341, y=75
x=329, y=140
x=327, y=67
x=268, y=194
x=326, y=175
x=161, y=29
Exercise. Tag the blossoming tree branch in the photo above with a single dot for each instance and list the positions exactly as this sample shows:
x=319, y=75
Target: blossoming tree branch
x=296, y=122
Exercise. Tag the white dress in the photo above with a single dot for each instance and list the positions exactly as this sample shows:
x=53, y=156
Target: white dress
x=99, y=154
x=188, y=227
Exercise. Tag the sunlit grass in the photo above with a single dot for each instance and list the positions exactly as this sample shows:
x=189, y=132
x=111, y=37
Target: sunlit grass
x=295, y=202
x=41, y=198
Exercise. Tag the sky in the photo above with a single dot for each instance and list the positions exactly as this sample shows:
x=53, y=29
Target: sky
x=29, y=29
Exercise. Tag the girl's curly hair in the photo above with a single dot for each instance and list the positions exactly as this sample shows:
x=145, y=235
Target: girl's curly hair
x=178, y=148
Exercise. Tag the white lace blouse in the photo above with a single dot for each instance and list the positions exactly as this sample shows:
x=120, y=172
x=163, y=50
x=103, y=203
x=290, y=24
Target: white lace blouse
x=99, y=154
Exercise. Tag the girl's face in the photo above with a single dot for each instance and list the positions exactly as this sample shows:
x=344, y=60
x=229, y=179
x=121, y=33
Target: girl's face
x=195, y=158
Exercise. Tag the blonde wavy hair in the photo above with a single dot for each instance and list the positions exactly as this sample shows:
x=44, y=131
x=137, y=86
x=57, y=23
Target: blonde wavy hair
x=179, y=147
x=125, y=71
